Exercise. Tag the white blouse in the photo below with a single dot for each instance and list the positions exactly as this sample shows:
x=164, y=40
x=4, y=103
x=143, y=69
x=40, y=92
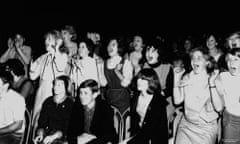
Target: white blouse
x=230, y=85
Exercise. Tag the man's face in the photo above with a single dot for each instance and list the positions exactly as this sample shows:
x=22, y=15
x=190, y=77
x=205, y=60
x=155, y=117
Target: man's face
x=86, y=96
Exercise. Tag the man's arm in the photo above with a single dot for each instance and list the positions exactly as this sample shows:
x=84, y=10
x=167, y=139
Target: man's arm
x=11, y=128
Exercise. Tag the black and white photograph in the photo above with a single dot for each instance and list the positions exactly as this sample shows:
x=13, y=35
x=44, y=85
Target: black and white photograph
x=119, y=73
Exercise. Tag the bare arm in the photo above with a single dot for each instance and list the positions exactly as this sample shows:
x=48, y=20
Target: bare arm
x=8, y=54
x=26, y=55
x=178, y=88
x=127, y=73
x=217, y=93
x=11, y=128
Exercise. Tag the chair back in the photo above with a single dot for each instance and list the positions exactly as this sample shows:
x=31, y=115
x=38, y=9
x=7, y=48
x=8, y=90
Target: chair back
x=27, y=131
x=122, y=123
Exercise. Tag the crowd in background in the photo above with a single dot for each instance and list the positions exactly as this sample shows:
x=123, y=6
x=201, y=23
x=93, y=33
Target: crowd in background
x=133, y=90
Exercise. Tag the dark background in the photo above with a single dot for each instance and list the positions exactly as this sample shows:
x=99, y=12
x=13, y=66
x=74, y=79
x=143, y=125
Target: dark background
x=172, y=20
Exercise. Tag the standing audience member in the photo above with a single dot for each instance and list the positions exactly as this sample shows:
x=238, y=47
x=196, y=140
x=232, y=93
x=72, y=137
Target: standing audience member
x=118, y=72
x=17, y=49
x=156, y=59
x=199, y=123
x=85, y=66
x=92, y=118
x=135, y=55
x=12, y=109
x=233, y=40
x=55, y=114
x=47, y=67
x=69, y=35
x=227, y=86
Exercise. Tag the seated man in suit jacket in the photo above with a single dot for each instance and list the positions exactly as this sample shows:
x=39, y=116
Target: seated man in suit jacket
x=92, y=118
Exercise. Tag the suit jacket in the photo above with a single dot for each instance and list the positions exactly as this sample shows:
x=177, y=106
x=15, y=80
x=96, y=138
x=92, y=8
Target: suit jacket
x=102, y=125
x=154, y=127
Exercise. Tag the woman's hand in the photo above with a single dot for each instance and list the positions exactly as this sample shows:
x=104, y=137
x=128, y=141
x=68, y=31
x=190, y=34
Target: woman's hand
x=49, y=139
x=212, y=78
x=38, y=139
x=118, y=67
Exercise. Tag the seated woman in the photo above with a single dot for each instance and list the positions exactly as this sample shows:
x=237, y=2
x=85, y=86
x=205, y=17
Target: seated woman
x=54, y=116
x=148, y=111
x=92, y=118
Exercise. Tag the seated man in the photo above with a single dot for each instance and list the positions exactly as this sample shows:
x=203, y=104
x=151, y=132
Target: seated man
x=92, y=118
x=12, y=109
x=21, y=84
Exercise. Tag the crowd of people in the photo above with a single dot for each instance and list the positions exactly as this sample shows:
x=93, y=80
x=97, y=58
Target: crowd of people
x=142, y=91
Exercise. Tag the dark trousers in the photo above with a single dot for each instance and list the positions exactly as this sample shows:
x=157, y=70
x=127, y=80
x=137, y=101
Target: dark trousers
x=10, y=139
x=230, y=129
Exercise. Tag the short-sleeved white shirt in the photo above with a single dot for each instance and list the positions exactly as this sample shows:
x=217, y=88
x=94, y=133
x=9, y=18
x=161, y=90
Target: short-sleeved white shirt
x=232, y=92
x=12, y=108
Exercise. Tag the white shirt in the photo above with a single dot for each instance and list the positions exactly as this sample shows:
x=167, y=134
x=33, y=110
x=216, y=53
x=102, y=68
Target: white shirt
x=86, y=69
x=12, y=108
x=230, y=85
x=142, y=105
x=197, y=95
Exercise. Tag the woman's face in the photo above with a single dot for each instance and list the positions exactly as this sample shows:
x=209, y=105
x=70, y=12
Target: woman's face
x=152, y=55
x=187, y=45
x=233, y=63
x=59, y=87
x=211, y=42
x=198, y=62
x=83, y=50
x=112, y=48
x=178, y=65
x=137, y=42
x=234, y=41
x=142, y=85
x=50, y=43
x=66, y=35
x=19, y=41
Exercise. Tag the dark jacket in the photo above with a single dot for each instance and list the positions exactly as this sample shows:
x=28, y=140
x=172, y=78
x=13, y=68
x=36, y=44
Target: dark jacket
x=102, y=125
x=154, y=127
x=54, y=117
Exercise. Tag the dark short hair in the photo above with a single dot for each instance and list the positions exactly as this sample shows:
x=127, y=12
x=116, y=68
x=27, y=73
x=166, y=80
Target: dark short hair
x=160, y=46
x=92, y=84
x=151, y=76
x=16, y=66
x=234, y=51
x=6, y=77
x=120, y=42
x=89, y=44
x=66, y=81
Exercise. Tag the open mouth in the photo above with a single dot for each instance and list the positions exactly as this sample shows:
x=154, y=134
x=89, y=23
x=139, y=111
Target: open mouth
x=233, y=68
x=150, y=58
x=195, y=66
